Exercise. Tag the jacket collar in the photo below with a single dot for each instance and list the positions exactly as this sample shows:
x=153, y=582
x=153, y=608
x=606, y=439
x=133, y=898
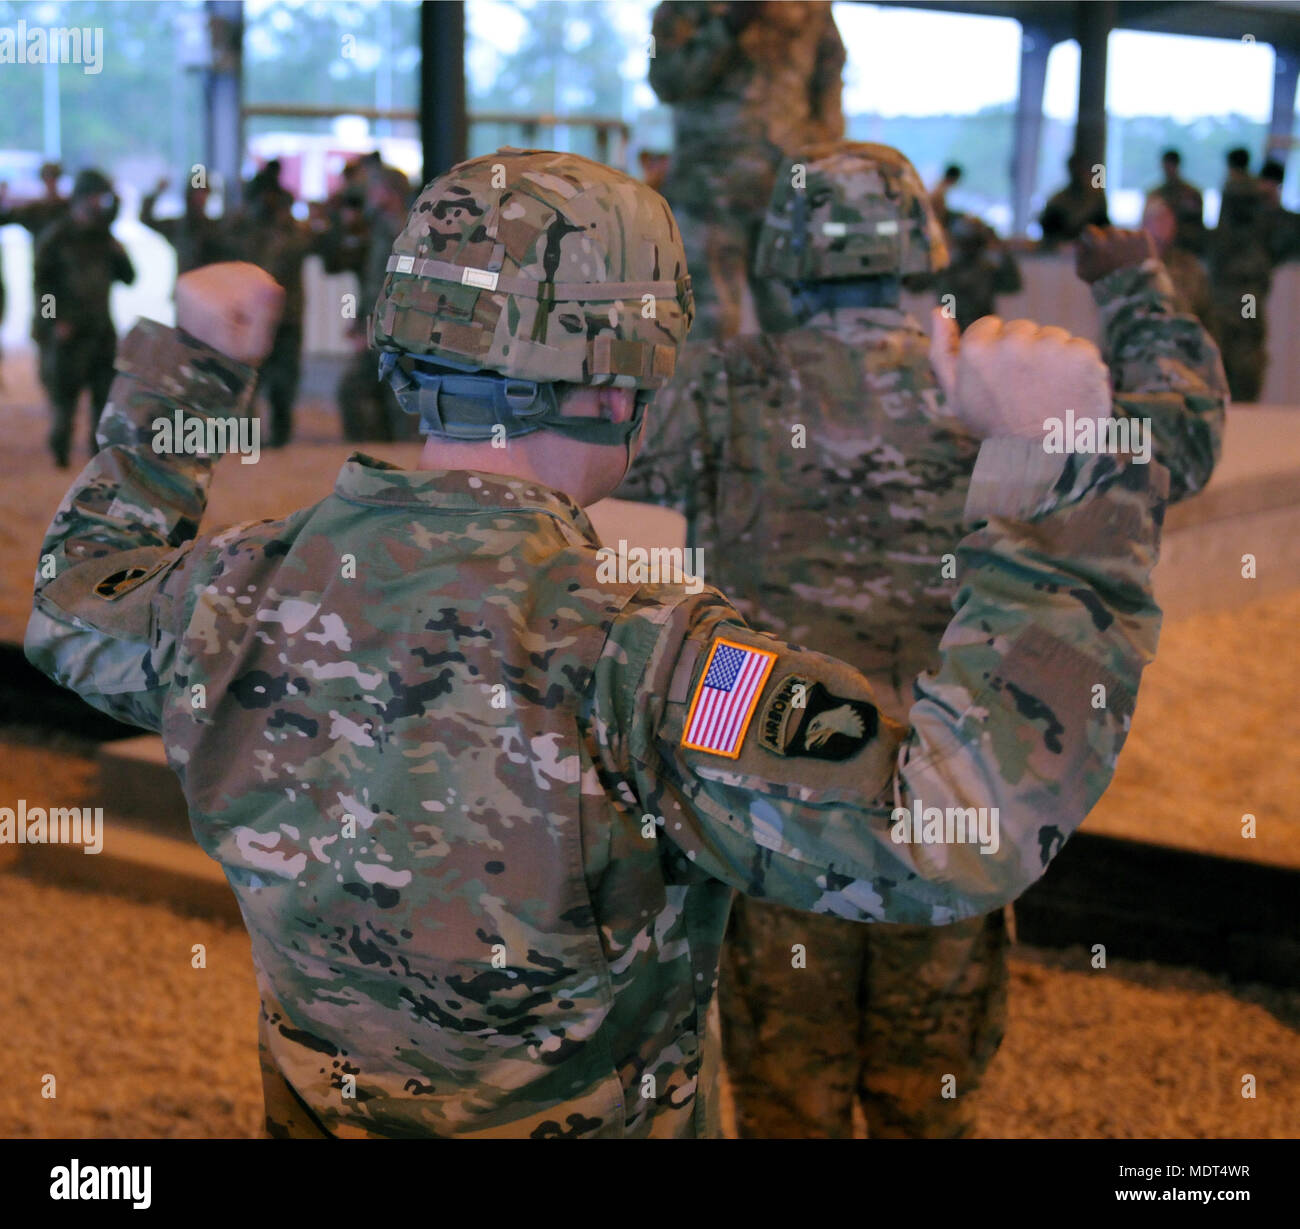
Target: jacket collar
x=368, y=480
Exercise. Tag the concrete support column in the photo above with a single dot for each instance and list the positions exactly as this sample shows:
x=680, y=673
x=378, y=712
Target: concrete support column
x=1035, y=47
x=443, y=128
x=1286, y=72
x=223, y=95
x=1093, y=23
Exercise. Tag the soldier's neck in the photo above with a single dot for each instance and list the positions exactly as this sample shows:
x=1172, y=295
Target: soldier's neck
x=583, y=472
x=512, y=461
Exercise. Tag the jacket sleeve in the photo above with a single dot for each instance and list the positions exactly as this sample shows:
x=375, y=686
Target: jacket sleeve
x=1166, y=369
x=825, y=805
x=114, y=572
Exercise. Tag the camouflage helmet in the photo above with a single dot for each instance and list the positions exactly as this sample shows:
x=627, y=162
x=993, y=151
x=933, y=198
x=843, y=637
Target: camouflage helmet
x=848, y=209
x=525, y=269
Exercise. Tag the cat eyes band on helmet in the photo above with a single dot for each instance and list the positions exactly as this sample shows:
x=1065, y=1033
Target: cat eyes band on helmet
x=486, y=279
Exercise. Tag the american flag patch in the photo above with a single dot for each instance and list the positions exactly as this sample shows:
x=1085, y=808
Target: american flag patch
x=726, y=698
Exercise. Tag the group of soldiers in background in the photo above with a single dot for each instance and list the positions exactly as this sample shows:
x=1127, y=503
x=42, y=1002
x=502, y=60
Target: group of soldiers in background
x=77, y=260
x=1224, y=275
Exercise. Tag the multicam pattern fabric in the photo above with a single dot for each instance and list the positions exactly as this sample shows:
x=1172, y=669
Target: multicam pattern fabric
x=440, y=762
x=512, y=262
x=823, y=479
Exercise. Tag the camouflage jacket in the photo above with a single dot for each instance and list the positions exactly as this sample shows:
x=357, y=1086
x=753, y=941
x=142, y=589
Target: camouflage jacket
x=280, y=248
x=198, y=239
x=825, y=481
x=77, y=267
x=450, y=768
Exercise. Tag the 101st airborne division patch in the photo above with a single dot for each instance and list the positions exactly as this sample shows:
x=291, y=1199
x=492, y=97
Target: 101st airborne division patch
x=803, y=718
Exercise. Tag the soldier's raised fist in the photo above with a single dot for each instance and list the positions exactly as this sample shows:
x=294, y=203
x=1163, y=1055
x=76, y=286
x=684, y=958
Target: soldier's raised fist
x=1007, y=377
x=1102, y=250
x=233, y=307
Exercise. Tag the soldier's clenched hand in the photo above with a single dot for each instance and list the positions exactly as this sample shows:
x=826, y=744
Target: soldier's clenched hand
x=1103, y=250
x=233, y=307
x=1006, y=378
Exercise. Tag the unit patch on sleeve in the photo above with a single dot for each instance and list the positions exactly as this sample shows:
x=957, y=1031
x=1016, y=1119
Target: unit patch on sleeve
x=725, y=700
x=803, y=718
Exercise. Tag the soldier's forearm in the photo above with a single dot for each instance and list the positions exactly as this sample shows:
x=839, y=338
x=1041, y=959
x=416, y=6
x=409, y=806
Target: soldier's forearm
x=1166, y=369
x=1040, y=665
x=147, y=487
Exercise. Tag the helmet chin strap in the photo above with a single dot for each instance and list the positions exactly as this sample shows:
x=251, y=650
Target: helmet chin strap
x=468, y=404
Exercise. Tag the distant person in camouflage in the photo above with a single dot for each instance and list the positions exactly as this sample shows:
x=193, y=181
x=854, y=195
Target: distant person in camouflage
x=1186, y=272
x=1241, y=277
x=368, y=407
x=1185, y=203
x=266, y=234
x=36, y=215
x=746, y=82
x=484, y=801
x=939, y=194
x=198, y=239
x=982, y=267
x=76, y=262
x=1078, y=205
x=825, y=474
x=33, y=216
x=1283, y=224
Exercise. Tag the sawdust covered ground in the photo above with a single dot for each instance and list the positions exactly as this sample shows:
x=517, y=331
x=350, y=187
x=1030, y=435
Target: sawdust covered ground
x=102, y=994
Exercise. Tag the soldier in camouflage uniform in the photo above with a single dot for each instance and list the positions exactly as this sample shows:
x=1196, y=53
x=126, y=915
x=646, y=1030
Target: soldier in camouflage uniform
x=1190, y=280
x=198, y=239
x=77, y=260
x=36, y=215
x=368, y=407
x=1078, y=205
x=266, y=234
x=747, y=83
x=33, y=216
x=982, y=268
x=1241, y=276
x=459, y=776
x=1185, y=202
x=825, y=477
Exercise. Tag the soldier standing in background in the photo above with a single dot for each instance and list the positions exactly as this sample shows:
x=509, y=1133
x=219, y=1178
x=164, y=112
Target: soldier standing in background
x=1282, y=224
x=1185, y=204
x=825, y=476
x=939, y=194
x=77, y=260
x=484, y=803
x=1191, y=282
x=746, y=82
x=982, y=268
x=33, y=216
x=368, y=407
x=197, y=238
x=1241, y=276
x=1076, y=206
x=266, y=234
